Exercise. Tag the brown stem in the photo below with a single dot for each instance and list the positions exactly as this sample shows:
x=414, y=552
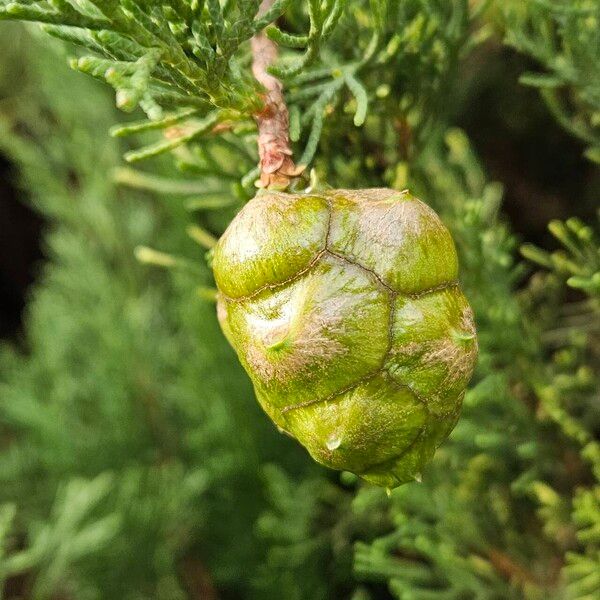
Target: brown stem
x=276, y=164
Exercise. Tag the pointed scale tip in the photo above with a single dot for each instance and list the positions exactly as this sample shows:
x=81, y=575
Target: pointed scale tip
x=333, y=442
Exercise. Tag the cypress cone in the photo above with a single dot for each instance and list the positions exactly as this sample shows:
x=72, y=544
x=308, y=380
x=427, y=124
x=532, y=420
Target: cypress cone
x=345, y=310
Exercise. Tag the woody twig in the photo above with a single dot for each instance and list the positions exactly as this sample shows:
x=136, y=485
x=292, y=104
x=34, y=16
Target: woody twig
x=277, y=167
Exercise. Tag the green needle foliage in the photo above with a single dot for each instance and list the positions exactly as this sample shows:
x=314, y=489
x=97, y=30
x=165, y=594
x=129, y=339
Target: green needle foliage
x=134, y=461
x=186, y=63
x=563, y=39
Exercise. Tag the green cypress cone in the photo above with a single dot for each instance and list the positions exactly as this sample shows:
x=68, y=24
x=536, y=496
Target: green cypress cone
x=345, y=310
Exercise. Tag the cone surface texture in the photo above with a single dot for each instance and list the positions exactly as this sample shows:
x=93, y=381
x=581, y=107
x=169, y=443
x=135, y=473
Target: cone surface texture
x=345, y=310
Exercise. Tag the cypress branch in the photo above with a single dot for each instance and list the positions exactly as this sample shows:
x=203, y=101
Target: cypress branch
x=276, y=164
